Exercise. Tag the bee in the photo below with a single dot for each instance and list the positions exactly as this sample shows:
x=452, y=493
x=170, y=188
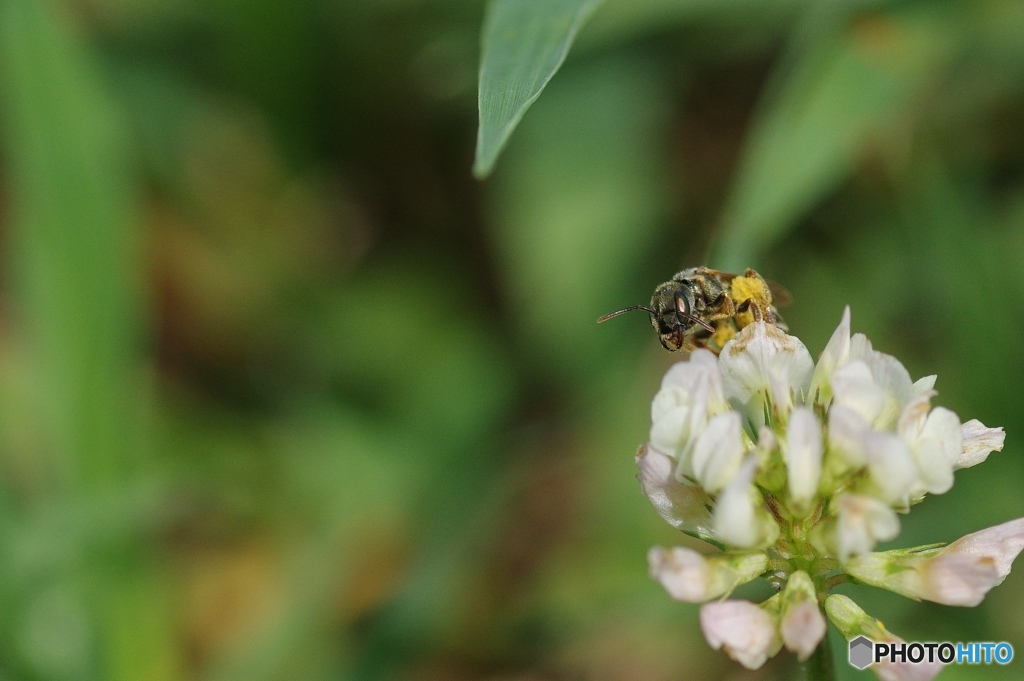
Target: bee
x=704, y=308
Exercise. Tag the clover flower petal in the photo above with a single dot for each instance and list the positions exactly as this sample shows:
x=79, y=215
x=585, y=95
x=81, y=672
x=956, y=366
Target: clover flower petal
x=801, y=622
x=860, y=522
x=854, y=387
x=739, y=517
x=978, y=442
x=802, y=455
x=691, y=577
x=959, y=574
x=683, y=506
x=764, y=365
x=1002, y=543
x=892, y=470
x=888, y=374
x=746, y=632
x=835, y=355
x=718, y=452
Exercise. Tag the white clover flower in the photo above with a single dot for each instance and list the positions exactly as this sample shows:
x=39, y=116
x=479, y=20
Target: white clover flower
x=748, y=633
x=802, y=454
x=958, y=574
x=691, y=577
x=858, y=522
x=740, y=518
x=978, y=443
x=801, y=623
x=796, y=471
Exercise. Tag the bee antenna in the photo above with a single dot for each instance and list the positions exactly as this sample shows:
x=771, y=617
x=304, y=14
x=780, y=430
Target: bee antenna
x=624, y=311
x=698, y=320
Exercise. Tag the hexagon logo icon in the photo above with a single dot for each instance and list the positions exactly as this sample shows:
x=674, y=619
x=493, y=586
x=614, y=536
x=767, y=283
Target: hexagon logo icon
x=861, y=652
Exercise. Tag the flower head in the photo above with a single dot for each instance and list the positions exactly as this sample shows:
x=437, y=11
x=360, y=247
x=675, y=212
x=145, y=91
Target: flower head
x=796, y=471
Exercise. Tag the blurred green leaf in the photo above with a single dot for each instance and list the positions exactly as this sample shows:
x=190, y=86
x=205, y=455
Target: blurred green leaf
x=75, y=257
x=75, y=250
x=578, y=206
x=619, y=21
x=841, y=92
x=524, y=44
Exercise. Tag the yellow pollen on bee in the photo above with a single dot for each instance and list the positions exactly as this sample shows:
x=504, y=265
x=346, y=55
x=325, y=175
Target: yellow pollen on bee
x=754, y=289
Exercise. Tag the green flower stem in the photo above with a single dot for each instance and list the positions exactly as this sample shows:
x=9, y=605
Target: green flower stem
x=820, y=665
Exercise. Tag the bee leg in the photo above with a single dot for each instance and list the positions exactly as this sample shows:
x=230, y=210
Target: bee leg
x=755, y=311
x=749, y=306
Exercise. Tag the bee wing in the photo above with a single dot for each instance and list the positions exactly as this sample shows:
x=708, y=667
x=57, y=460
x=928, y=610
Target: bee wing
x=781, y=297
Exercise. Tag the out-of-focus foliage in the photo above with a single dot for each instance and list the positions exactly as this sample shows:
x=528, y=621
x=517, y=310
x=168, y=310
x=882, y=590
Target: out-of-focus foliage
x=524, y=44
x=286, y=394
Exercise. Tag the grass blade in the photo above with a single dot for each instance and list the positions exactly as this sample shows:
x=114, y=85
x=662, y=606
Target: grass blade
x=524, y=44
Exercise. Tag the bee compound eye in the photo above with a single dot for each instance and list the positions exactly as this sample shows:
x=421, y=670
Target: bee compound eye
x=682, y=305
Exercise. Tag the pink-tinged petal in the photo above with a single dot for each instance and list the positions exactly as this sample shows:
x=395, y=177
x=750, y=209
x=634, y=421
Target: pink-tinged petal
x=861, y=521
x=803, y=626
x=683, y=506
x=746, y=632
x=978, y=442
x=685, y=574
x=691, y=577
x=1002, y=543
x=960, y=574
x=960, y=580
x=907, y=671
x=949, y=580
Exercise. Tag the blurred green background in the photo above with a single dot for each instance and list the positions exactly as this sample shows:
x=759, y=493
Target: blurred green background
x=285, y=393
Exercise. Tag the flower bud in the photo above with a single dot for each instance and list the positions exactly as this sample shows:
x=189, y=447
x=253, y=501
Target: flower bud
x=745, y=631
x=802, y=624
x=860, y=522
x=718, y=452
x=803, y=452
x=852, y=621
x=739, y=517
x=959, y=574
x=691, y=577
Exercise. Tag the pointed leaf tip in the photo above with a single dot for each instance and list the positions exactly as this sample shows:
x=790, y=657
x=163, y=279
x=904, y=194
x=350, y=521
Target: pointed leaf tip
x=524, y=44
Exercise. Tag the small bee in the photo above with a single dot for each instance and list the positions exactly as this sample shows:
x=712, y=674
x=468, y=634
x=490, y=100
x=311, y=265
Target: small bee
x=704, y=308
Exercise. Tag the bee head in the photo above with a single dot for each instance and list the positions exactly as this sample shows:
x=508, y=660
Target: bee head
x=672, y=314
